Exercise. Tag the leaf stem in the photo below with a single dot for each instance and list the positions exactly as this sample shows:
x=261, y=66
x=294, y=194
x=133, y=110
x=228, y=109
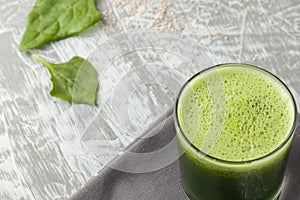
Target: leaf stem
x=43, y=61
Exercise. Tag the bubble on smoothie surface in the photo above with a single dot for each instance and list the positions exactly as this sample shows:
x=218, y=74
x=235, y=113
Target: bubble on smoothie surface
x=258, y=110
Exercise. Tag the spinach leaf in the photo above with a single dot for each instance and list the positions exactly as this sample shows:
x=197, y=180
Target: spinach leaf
x=75, y=81
x=52, y=20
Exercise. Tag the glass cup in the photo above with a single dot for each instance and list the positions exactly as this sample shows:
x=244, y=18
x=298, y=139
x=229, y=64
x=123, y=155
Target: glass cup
x=205, y=177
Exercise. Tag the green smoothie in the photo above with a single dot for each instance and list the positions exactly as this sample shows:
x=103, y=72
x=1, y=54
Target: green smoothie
x=235, y=124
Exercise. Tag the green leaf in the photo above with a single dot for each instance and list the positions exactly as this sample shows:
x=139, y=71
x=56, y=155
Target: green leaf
x=52, y=20
x=75, y=81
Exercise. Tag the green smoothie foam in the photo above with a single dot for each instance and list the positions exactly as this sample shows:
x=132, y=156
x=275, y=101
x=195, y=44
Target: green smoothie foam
x=256, y=113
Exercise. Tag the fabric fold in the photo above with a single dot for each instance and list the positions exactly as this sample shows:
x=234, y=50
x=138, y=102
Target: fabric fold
x=164, y=183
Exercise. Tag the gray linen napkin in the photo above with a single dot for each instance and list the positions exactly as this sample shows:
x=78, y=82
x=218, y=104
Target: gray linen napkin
x=164, y=184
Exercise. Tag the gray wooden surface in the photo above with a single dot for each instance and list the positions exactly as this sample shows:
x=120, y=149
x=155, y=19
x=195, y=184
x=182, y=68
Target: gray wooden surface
x=49, y=148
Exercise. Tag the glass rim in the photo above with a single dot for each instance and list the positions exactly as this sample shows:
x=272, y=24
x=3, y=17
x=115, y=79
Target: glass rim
x=249, y=66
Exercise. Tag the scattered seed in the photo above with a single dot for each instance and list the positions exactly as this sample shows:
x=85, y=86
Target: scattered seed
x=270, y=21
x=104, y=13
x=255, y=57
x=210, y=37
x=116, y=4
